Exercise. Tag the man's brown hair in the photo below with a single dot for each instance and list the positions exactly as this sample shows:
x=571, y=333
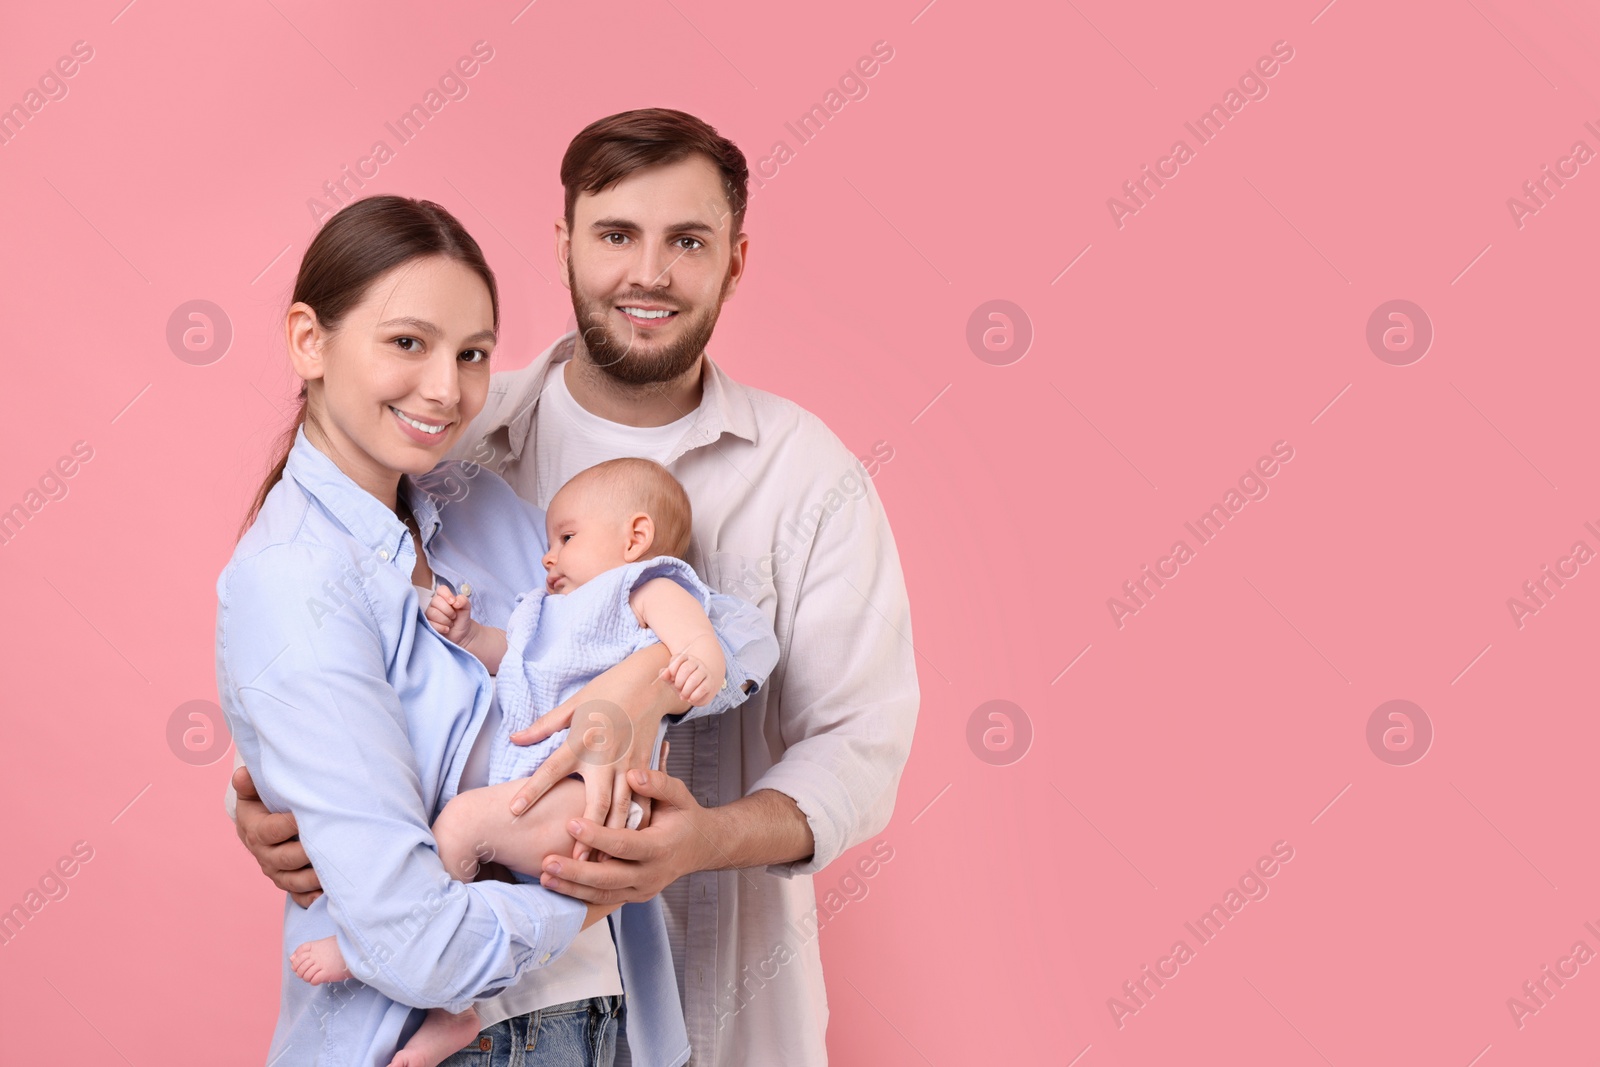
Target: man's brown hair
x=609, y=149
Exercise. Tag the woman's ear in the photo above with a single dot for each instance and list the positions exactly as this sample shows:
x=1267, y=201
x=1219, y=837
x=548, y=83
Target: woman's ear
x=641, y=536
x=304, y=336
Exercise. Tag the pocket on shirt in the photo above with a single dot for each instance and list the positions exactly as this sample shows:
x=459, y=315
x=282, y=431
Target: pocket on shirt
x=751, y=578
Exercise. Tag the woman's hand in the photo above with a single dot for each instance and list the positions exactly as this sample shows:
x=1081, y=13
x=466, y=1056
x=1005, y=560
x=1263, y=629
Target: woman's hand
x=273, y=840
x=613, y=720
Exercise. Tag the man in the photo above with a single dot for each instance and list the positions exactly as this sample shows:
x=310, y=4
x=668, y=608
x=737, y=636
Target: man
x=751, y=803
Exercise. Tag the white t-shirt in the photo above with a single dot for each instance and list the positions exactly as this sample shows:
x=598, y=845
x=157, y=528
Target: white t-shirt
x=571, y=439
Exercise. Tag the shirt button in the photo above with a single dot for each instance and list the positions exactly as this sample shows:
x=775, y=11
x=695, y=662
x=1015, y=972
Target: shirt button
x=383, y=553
x=545, y=958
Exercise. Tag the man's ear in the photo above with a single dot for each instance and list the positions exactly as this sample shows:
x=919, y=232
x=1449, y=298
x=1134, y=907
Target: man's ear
x=304, y=337
x=641, y=536
x=736, y=265
x=563, y=249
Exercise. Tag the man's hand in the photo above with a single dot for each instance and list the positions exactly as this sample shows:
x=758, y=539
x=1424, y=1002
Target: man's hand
x=614, y=720
x=272, y=839
x=679, y=839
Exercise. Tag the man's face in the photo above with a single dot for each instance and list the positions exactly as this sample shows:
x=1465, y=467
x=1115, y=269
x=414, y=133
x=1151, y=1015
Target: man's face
x=649, y=261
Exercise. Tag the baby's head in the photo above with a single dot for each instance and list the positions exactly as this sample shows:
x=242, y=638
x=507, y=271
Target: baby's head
x=616, y=512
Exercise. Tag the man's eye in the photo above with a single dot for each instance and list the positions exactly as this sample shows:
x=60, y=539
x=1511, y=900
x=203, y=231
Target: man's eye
x=608, y=238
x=695, y=242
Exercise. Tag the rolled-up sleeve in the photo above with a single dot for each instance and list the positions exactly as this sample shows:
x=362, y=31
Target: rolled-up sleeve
x=313, y=710
x=848, y=691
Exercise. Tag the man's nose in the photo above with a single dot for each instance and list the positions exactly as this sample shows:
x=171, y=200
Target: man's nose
x=652, y=265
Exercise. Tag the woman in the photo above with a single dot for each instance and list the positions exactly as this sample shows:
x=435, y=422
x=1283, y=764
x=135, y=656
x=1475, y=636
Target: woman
x=354, y=714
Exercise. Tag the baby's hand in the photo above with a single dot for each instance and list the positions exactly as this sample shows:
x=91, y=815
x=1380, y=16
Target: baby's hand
x=451, y=614
x=692, y=679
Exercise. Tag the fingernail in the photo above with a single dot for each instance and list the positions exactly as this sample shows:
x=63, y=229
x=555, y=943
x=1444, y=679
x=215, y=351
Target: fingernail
x=518, y=806
x=552, y=867
x=574, y=828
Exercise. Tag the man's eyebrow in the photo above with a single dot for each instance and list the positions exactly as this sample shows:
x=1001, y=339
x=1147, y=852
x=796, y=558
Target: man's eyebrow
x=424, y=326
x=623, y=224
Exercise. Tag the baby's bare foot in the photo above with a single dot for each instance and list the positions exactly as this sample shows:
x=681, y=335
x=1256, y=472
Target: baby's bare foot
x=319, y=962
x=441, y=1034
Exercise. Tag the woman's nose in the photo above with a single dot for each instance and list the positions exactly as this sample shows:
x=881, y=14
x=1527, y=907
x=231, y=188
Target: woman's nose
x=441, y=380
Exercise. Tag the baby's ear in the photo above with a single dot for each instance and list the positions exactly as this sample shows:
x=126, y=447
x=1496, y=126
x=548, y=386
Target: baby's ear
x=641, y=536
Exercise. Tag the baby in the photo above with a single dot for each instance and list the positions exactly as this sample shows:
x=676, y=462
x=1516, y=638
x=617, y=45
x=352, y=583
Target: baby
x=613, y=585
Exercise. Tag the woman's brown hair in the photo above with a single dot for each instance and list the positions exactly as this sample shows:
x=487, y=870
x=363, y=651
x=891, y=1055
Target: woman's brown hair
x=355, y=247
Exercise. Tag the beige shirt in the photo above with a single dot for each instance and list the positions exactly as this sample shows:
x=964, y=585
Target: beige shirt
x=787, y=518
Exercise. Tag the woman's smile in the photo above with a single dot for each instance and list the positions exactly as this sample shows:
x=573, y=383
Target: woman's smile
x=421, y=430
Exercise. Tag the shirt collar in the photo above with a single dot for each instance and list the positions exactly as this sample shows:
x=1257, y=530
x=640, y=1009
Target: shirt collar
x=724, y=403
x=363, y=514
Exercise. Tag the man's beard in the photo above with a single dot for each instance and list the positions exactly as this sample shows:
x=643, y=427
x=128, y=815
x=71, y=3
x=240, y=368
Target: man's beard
x=615, y=352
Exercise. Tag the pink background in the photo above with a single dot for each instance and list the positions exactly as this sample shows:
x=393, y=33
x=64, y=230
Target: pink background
x=1229, y=313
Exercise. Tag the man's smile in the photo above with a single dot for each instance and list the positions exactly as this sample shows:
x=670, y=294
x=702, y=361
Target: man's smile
x=647, y=315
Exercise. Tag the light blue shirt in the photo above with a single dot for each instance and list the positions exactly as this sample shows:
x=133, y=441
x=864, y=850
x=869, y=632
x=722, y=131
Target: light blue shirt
x=352, y=712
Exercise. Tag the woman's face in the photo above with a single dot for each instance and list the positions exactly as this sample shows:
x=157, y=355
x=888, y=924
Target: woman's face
x=404, y=374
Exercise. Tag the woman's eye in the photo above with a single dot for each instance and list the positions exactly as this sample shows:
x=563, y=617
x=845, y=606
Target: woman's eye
x=480, y=354
x=403, y=341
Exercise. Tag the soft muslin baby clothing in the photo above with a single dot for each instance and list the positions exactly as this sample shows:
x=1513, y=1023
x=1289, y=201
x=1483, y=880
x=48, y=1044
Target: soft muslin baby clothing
x=556, y=643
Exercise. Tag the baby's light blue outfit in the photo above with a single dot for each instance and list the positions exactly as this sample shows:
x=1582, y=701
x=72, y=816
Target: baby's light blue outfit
x=556, y=643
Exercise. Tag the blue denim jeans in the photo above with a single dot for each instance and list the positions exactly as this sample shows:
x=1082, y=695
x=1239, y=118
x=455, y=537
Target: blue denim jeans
x=580, y=1033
